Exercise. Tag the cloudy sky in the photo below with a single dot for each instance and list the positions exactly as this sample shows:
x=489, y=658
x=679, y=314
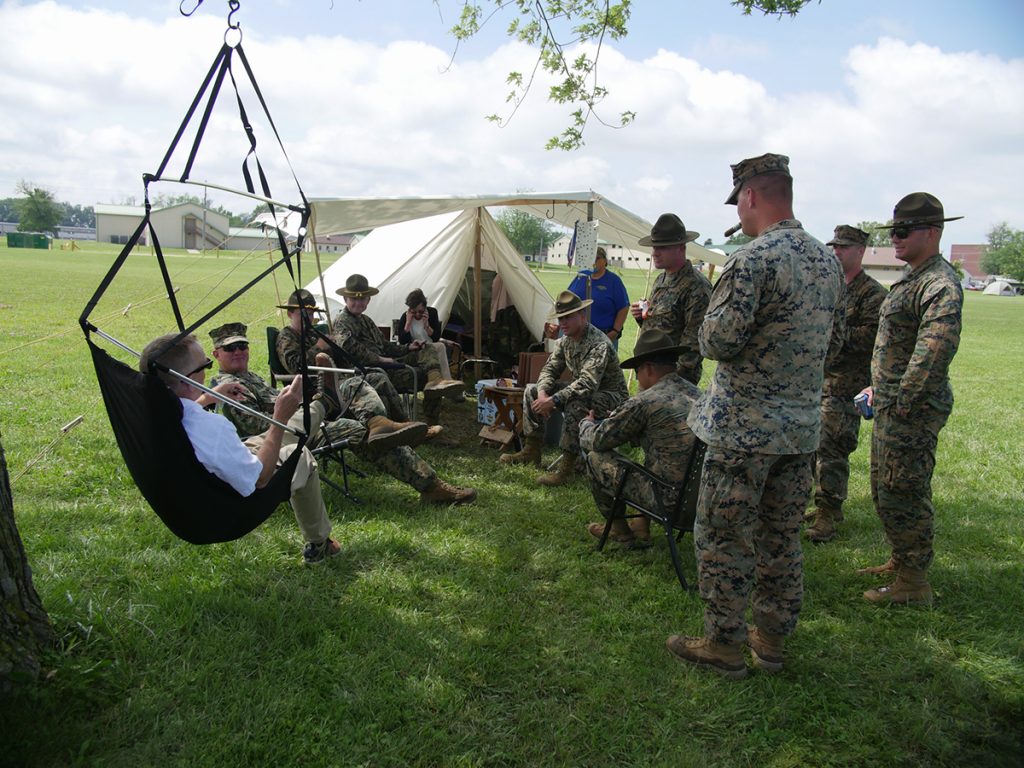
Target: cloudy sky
x=870, y=99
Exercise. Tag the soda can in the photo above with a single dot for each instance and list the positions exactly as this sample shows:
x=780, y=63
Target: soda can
x=862, y=404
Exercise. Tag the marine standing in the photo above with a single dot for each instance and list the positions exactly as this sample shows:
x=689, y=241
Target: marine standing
x=918, y=336
x=772, y=314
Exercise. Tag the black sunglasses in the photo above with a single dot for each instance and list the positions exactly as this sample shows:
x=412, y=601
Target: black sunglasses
x=238, y=346
x=204, y=367
x=902, y=233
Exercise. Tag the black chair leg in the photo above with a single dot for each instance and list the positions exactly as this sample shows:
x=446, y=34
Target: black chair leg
x=676, y=562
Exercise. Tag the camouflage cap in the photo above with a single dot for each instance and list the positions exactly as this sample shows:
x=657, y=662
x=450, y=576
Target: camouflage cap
x=918, y=208
x=228, y=333
x=299, y=299
x=747, y=169
x=847, y=235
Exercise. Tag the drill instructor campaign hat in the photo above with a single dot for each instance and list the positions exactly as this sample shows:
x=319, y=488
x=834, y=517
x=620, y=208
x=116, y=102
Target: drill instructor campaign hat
x=669, y=230
x=301, y=299
x=653, y=345
x=918, y=208
x=568, y=303
x=357, y=287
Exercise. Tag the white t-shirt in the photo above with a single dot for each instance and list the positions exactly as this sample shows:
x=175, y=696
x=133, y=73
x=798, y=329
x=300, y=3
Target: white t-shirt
x=418, y=330
x=218, y=448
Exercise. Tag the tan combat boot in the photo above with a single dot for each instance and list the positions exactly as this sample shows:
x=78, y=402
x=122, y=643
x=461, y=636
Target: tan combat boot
x=441, y=492
x=910, y=588
x=565, y=472
x=766, y=650
x=433, y=431
x=382, y=432
x=532, y=446
x=823, y=528
x=641, y=527
x=726, y=660
x=437, y=386
x=620, y=532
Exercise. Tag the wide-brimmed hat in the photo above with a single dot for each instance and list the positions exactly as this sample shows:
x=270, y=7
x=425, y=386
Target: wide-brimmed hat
x=357, y=287
x=652, y=345
x=918, y=208
x=228, y=333
x=567, y=303
x=301, y=299
x=847, y=235
x=745, y=170
x=669, y=230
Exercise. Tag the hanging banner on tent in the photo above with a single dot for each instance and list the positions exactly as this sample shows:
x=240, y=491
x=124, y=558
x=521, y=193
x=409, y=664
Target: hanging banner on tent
x=586, y=244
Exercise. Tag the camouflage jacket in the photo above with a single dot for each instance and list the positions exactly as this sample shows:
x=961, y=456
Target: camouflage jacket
x=677, y=306
x=591, y=362
x=850, y=371
x=360, y=337
x=289, y=349
x=774, y=313
x=918, y=335
x=655, y=419
x=258, y=395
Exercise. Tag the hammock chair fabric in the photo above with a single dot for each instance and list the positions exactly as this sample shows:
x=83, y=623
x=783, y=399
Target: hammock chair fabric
x=193, y=503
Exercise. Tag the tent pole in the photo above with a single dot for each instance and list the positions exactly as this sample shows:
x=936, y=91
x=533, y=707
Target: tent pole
x=478, y=323
x=319, y=269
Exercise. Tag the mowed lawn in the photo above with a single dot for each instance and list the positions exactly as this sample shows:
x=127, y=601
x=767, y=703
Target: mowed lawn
x=487, y=635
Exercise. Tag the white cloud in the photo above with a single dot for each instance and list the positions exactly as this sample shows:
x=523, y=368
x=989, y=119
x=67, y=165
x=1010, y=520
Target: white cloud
x=98, y=97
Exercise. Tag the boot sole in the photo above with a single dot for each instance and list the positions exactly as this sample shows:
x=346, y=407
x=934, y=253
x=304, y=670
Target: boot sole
x=878, y=597
x=412, y=435
x=765, y=665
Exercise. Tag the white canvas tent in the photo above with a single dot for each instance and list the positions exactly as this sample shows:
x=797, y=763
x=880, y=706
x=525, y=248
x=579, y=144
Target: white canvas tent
x=332, y=216
x=434, y=253
x=1000, y=288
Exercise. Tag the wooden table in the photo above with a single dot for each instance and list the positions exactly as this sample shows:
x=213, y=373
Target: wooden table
x=508, y=418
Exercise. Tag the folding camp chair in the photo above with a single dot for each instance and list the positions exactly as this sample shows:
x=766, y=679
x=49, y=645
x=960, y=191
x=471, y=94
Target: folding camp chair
x=330, y=451
x=675, y=504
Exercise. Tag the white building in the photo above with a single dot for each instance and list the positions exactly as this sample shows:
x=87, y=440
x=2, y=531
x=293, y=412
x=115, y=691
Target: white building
x=185, y=225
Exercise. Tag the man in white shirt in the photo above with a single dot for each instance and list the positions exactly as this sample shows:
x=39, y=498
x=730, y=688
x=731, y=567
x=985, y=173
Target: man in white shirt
x=250, y=465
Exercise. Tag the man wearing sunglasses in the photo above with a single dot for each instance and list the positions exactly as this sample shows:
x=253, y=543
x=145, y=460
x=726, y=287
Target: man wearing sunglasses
x=918, y=336
x=846, y=374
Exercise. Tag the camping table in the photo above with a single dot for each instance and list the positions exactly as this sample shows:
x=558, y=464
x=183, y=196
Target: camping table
x=508, y=418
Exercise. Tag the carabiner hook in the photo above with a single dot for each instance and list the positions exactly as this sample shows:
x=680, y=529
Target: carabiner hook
x=233, y=5
x=181, y=7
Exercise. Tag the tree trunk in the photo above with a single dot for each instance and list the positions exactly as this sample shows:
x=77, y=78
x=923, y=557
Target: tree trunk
x=24, y=626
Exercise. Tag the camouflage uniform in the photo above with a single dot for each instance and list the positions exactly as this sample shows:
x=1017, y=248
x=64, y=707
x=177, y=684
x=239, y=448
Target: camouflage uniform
x=654, y=419
x=769, y=323
x=677, y=306
x=845, y=376
x=918, y=336
x=360, y=337
x=289, y=352
x=260, y=396
x=597, y=383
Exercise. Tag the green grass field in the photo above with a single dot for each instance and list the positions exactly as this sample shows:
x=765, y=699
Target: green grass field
x=487, y=635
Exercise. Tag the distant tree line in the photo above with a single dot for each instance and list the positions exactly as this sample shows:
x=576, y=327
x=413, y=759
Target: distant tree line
x=1005, y=254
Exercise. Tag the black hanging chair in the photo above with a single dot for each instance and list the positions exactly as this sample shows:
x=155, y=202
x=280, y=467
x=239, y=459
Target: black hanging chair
x=145, y=415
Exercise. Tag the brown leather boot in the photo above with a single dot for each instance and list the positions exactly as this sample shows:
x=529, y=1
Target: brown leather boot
x=910, y=588
x=620, y=532
x=726, y=660
x=565, y=472
x=887, y=567
x=766, y=650
x=823, y=528
x=441, y=492
x=384, y=433
x=532, y=446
